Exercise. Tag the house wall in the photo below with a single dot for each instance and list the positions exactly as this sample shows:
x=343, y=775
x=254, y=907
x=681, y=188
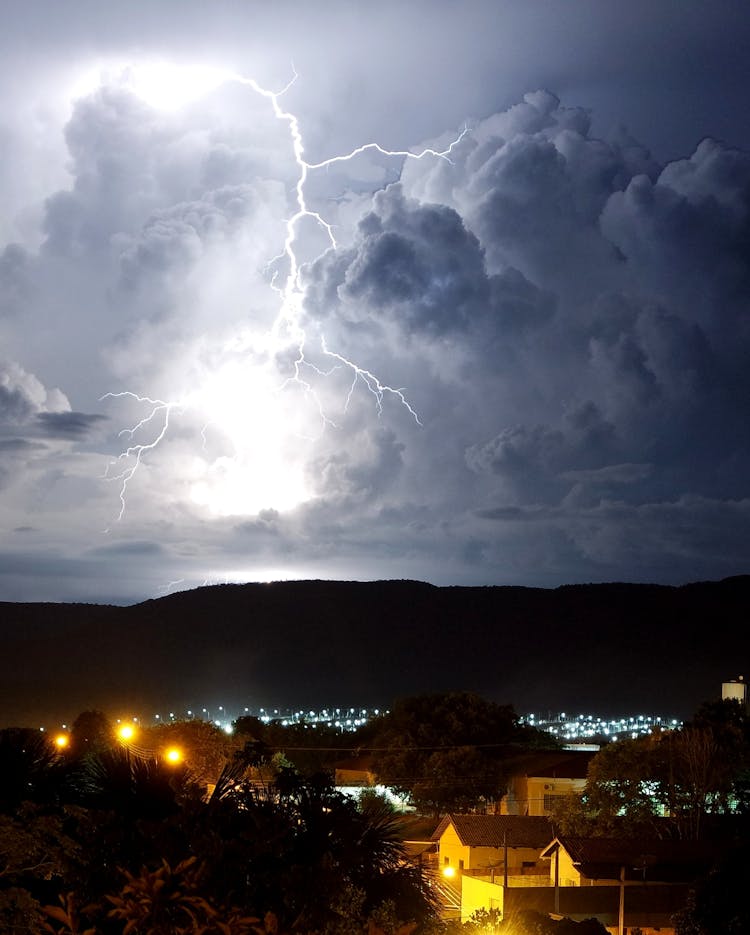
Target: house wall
x=568, y=874
x=648, y=907
x=533, y=795
x=479, y=894
x=571, y=876
x=354, y=777
x=451, y=850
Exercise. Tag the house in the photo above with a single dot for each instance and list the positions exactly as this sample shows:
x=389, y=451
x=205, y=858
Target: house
x=494, y=843
x=633, y=884
x=543, y=778
x=355, y=771
x=606, y=861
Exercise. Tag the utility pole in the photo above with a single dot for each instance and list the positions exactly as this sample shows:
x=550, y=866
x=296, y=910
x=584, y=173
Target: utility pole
x=557, y=880
x=505, y=861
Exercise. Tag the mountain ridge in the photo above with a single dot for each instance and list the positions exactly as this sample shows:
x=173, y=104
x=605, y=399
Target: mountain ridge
x=605, y=648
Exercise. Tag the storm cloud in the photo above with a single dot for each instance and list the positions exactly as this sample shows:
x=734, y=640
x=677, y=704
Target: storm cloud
x=524, y=362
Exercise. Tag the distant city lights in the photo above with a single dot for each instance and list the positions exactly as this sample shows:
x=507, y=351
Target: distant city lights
x=590, y=728
x=571, y=729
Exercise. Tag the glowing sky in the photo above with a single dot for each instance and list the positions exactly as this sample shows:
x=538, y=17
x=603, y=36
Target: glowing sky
x=526, y=363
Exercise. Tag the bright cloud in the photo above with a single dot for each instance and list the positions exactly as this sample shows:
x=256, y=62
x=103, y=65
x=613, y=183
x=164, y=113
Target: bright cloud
x=520, y=362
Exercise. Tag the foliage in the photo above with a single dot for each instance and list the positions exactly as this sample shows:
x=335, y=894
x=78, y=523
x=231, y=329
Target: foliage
x=571, y=817
x=30, y=768
x=449, y=751
x=309, y=747
x=628, y=779
x=70, y=918
x=19, y=911
x=91, y=732
x=293, y=856
x=130, y=785
x=33, y=843
x=665, y=784
x=484, y=922
x=169, y=901
x=718, y=904
x=205, y=747
x=525, y=922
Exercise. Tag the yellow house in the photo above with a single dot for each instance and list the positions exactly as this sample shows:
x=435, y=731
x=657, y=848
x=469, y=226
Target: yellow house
x=624, y=884
x=543, y=778
x=495, y=843
x=608, y=861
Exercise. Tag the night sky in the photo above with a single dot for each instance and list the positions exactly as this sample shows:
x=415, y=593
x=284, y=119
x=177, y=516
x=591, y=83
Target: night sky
x=522, y=362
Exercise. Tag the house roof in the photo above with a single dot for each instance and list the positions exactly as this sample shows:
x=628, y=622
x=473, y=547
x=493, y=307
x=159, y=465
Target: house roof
x=563, y=764
x=358, y=762
x=663, y=860
x=497, y=830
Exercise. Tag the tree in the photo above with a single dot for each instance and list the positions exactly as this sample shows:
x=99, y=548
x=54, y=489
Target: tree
x=295, y=848
x=628, y=788
x=665, y=784
x=169, y=901
x=309, y=746
x=718, y=904
x=205, y=747
x=91, y=731
x=35, y=853
x=30, y=768
x=449, y=751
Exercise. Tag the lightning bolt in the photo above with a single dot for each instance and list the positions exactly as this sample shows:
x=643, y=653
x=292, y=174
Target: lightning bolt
x=288, y=322
x=130, y=458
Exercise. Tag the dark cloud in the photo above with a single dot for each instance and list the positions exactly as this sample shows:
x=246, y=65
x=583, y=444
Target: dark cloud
x=688, y=232
x=367, y=469
x=415, y=262
x=129, y=548
x=68, y=424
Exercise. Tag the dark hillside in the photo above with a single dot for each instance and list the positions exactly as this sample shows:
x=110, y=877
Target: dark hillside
x=607, y=648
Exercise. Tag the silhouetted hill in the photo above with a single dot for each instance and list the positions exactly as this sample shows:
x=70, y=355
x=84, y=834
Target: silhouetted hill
x=612, y=648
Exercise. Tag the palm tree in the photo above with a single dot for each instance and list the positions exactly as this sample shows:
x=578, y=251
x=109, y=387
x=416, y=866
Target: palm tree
x=30, y=768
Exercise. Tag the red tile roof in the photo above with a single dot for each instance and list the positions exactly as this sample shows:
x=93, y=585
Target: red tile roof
x=498, y=830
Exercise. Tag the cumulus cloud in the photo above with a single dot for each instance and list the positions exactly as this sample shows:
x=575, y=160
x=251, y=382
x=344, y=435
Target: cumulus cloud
x=22, y=395
x=598, y=304
x=565, y=316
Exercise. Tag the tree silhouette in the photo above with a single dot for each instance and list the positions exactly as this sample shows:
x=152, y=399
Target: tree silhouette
x=31, y=770
x=91, y=731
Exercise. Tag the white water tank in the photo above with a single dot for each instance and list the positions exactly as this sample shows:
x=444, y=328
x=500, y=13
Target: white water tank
x=736, y=690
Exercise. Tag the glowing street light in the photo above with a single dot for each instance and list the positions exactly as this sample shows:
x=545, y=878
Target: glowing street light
x=62, y=741
x=173, y=756
x=126, y=733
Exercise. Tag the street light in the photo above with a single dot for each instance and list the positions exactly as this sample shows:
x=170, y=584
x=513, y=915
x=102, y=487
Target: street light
x=62, y=741
x=126, y=733
x=173, y=756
